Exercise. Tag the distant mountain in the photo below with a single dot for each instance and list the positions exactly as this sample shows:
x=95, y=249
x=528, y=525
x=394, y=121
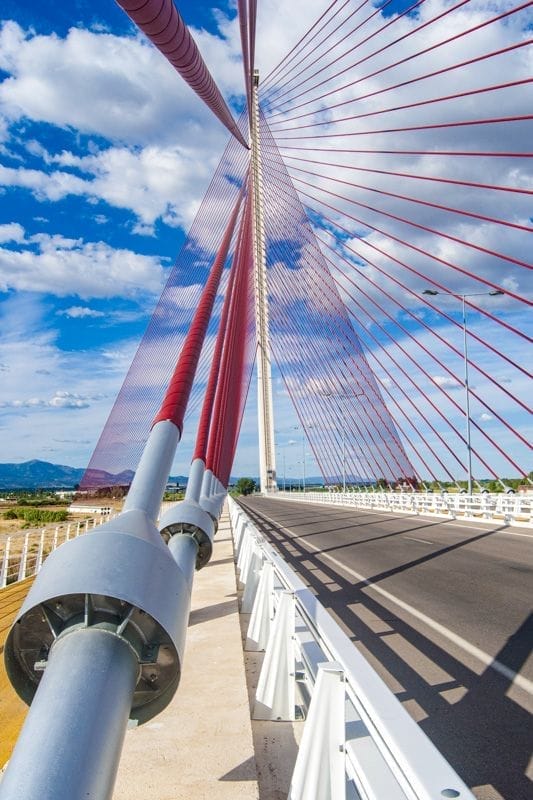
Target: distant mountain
x=39, y=474
x=43, y=475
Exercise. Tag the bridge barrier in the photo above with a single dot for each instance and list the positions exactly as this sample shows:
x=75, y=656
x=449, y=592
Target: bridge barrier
x=501, y=508
x=358, y=740
x=22, y=554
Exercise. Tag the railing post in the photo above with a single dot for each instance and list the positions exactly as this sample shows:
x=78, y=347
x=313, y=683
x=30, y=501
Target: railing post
x=5, y=564
x=263, y=611
x=275, y=697
x=319, y=773
x=39, y=559
x=251, y=580
x=23, y=558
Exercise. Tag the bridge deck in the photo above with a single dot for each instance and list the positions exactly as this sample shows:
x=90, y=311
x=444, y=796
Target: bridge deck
x=12, y=709
x=201, y=746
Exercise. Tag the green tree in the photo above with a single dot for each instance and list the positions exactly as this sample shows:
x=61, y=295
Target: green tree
x=245, y=486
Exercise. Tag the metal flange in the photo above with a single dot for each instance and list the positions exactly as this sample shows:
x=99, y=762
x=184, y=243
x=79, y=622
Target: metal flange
x=120, y=577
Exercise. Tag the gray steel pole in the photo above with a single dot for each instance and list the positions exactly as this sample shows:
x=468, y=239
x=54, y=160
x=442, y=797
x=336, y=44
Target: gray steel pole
x=343, y=459
x=467, y=401
x=73, y=755
x=148, y=485
x=303, y=460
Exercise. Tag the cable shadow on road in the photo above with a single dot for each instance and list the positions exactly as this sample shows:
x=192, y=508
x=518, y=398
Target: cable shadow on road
x=473, y=719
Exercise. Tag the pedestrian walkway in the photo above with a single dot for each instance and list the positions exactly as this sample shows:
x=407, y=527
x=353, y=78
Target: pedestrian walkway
x=12, y=709
x=201, y=745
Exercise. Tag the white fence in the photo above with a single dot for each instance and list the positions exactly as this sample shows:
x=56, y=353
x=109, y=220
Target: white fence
x=507, y=509
x=22, y=554
x=358, y=741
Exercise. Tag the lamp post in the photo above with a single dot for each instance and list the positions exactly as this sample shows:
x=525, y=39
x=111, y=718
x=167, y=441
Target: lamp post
x=297, y=428
x=462, y=297
x=340, y=420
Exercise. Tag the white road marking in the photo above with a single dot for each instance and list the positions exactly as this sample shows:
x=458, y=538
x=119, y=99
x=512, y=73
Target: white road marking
x=525, y=535
x=475, y=652
x=412, y=539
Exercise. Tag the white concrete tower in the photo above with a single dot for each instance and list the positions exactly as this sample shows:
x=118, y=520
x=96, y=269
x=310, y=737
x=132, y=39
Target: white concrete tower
x=267, y=453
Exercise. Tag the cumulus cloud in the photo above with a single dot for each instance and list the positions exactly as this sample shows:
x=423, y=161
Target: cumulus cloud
x=11, y=232
x=60, y=399
x=62, y=266
x=447, y=382
x=79, y=312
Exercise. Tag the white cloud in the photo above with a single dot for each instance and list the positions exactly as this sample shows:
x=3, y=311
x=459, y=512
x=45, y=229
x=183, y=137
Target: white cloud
x=447, y=382
x=79, y=312
x=11, y=232
x=63, y=266
x=60, y=399
x=103, y=84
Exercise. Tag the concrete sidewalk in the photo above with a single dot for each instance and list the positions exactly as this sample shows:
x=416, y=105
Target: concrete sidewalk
x=201, y=745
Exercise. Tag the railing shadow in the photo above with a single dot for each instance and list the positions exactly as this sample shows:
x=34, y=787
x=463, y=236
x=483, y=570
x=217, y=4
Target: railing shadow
x=473, y=719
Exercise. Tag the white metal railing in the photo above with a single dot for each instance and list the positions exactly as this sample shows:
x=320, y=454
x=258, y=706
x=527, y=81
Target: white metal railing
x=358, y=740
x=507, y=509
x=22, y=554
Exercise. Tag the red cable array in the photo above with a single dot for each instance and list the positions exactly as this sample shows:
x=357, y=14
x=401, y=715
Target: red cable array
x=435, y=231
x=174, y=404
x=230, y=392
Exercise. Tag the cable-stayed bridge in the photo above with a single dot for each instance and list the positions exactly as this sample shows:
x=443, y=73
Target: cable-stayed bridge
x=363, y=242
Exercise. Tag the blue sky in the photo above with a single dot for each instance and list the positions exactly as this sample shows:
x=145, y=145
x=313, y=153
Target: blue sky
x=105, y=155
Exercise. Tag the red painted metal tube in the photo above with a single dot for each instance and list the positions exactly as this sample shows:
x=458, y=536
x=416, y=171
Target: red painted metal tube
x=161, y=22
x=175, y=401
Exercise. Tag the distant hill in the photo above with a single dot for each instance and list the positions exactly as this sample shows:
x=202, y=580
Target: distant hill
x=44, y=475
x=39, y=474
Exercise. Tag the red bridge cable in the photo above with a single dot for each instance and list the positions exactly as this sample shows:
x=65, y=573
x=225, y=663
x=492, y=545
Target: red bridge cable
x=326, y=363
x=426, y=350
x=282, y=254
x=472, y=421
x=275, y=127
x=408, y=419
x=161, y=22
x=419, y=177
x=424, y=252
x=252, y=25
x=455, y=153
x=429, y=279
x=380, y=30
x=423, y=347
x=401, y=61
x=288, y=386
x=401, y=84
x=245, y=46
x=174, y=404
x=202, y=436
x=434, y=308
x=222, y=433
x=418, y=201
x=433, y=126
x=287, y=59
x=236, y=357
x=362, y=380
x=426, y=228
x=215, y=428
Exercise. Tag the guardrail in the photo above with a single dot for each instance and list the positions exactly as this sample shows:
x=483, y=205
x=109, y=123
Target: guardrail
x=503, y=508
x=22, y=554
x=358, y=741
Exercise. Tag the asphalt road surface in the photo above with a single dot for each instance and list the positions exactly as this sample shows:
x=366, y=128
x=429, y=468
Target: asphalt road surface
x=442, y=610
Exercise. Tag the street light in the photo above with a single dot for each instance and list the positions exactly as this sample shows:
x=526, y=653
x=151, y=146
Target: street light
x=462, y=297
x=343, y=428
x=297, y=428
x=282, y=448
